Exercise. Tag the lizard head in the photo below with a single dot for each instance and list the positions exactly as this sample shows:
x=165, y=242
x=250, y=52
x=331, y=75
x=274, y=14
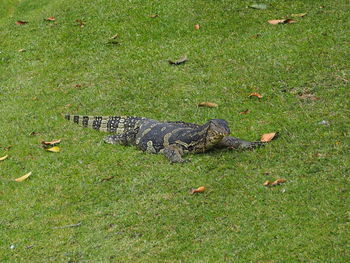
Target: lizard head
x=217, y=130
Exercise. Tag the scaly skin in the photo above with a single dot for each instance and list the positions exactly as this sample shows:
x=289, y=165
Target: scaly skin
x=173, y=139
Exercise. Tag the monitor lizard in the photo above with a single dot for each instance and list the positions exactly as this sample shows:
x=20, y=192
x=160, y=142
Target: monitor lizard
x=171, y=138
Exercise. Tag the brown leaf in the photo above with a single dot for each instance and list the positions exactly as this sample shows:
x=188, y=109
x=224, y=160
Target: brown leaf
x=178, y=62
x=299, y=15
x=256, y=36
x=114, y=36
x=254, y=94
x=80, y=22
x=33, y=133
x=20, y=22
x=267, y=137
x=281, y=21
x=4, y=157
x=107, y=178
x=51, y=18
x=21, y=50
x=245, y=111
x=308, y=96
x=22, y=178
x=267, y=183
x=153, y=15
x=289, y=21
x=197, y=27
x=53, y=142
x=197, y=190
x=278, y=181
x=208, y=104
x=78, y=85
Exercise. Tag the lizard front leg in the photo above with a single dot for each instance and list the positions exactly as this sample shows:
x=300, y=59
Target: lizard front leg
x=174, y=154
x=236, y=143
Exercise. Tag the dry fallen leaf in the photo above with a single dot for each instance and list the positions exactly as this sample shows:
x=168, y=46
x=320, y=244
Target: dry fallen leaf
x=256, y=36
x=208, y=104
x=21, y=50
x=19, y=22
x=258, y=6
x=197, y=27
x=267, y=137
x=179, y=61
x=80, y=22
x=114, y=36
x=281, y=21
x=33, y=133
x=254, y=94
x=4, y=157
x=51, y=142
x=299, y=15
x=266, y=183
x=22, y=178
x=107, y=178
x=197, y=190
x=278, y=181
x=54, y=149
x=51, y=18
x=245, y=111
x=308, y=96
x=153, y=15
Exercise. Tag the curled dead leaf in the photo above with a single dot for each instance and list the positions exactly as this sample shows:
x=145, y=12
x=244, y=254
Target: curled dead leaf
x=267, y=183
x=107, y=178
x=256, y=36
x=278, y=181
x=22, y=178
x=255, y=94
x=51, y=142
x=4, y=157
x=308, y=96
x=258, y=6
x=281, y=21
x=208, y=104
x=51, y=18
x=153, y=15
x=54, y=149
x=21, y=50
x=114, y=36
x=20, y=22
x=179, y=61
x=80, y=22
x=197, y=27
x=245, y=111
x=197, y=190
x=267, y=137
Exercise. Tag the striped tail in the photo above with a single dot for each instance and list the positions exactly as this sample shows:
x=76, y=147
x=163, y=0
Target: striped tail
x=112, y=124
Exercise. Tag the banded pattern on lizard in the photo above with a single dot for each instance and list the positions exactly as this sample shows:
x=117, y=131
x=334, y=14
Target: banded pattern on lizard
x=173, y=139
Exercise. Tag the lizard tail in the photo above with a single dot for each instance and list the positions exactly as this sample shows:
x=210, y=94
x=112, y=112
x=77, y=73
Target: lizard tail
x=113, y=124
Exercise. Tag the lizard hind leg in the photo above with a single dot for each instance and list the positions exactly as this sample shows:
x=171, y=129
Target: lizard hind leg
x=116, y=139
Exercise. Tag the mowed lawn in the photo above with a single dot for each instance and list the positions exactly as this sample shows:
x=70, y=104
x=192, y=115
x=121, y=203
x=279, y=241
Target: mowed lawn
x=94, y=202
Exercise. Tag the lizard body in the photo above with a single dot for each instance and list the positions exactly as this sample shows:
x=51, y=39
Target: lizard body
x=173, y=139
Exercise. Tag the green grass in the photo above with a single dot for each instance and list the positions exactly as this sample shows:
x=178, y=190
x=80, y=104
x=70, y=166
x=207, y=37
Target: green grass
x=145, y=213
